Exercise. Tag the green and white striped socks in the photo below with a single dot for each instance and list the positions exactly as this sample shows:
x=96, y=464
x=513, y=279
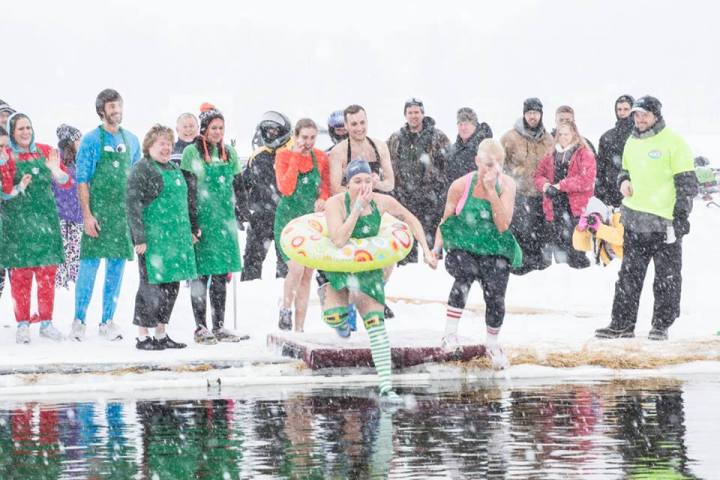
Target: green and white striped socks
x=336, y=317
x=380, y=348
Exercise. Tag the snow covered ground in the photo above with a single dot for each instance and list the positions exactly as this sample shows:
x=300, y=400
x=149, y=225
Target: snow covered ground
x=550, y=322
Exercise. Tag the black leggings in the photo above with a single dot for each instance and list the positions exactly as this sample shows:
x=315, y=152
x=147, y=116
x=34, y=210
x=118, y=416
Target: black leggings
x=198, y=297
x=260, y=235
x=491, y=271
x=153, y=302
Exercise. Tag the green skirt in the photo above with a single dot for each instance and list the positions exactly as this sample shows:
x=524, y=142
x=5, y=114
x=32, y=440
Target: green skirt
x=371, y=283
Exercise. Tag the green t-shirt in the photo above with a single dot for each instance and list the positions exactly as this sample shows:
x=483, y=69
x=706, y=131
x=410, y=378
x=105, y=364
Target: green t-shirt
x=193, y=161
x=652, y=163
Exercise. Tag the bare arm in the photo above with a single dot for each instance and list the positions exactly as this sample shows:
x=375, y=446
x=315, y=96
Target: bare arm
x=90, y=223
x=503, y=205
x=341, y=228
x=453, y=197
x=337, y=165
x=388, y=182
x=396, y=209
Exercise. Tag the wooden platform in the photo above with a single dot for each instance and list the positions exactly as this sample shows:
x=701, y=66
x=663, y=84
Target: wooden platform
x=327, y=350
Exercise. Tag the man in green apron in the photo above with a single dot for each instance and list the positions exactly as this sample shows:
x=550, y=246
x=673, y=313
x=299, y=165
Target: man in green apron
x=103, y=164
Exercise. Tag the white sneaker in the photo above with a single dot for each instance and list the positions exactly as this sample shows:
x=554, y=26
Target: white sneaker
x=77, y=331
x=204, y=337
x=450, y=343
x=110, y=331
x=51, y=332
x=22, y=336
x=498, y=360
x=391, y=398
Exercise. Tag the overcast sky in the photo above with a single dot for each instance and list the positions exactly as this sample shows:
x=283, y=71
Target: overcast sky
x=309, y=58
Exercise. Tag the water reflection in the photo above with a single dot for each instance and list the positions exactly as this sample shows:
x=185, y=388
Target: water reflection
x=616, y=430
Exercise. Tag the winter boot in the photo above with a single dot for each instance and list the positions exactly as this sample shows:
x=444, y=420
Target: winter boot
x=77, y=331
x=612, y=332
x=657, y=333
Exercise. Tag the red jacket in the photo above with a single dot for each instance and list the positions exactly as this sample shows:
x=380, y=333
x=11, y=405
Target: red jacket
x=7, y=170
x=578, y=184
x=289, y=164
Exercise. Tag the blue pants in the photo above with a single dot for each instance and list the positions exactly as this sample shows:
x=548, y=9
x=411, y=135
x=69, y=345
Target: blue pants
x=85, y=283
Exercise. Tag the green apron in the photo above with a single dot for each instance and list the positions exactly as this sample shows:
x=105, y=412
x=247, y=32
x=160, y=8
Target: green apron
x=372, y=282
x=107, y=204
x=169, y=256
x=218, y=251
x=474, y=230
x=31, y=234
x=301, y=202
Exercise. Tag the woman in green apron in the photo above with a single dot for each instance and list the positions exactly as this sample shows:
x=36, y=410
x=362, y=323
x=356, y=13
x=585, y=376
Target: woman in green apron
x=31, y=241
x=474, y=231
x=210, y=168
x=160, y=228
x=302, y=173
x=356, y=213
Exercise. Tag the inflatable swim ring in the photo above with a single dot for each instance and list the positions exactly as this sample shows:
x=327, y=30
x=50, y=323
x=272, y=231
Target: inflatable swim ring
x=305, y=240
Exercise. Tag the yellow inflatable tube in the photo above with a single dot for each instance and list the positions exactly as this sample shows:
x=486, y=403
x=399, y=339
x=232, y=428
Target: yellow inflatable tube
x=305, y=240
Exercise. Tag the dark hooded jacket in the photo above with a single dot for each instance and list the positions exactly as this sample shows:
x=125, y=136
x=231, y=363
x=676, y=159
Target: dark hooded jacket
x=461, y=156
x=609, y=159
x=418, y=161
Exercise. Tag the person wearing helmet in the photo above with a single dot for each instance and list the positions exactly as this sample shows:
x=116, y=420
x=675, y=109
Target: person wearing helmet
x=102, y=167
x=262, y=195
x=336, y=128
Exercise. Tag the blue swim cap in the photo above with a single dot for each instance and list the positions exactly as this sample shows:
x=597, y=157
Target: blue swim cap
x=358, y=165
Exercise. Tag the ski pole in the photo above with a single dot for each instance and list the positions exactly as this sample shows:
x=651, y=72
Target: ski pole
x=234, y=285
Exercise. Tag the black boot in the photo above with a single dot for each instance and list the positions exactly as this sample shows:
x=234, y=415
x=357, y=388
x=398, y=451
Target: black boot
x=612, y=332
x=658, y=333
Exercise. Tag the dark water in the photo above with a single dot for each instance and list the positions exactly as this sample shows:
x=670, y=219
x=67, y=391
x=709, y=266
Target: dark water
x=620, y=429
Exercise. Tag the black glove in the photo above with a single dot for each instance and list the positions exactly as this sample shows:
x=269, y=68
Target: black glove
x=552, y=191
x=681, y=212
x=681, y=225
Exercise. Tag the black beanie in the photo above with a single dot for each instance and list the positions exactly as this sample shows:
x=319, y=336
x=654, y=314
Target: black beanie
x=625, y=99
x=532, y=104
x=208, y=113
